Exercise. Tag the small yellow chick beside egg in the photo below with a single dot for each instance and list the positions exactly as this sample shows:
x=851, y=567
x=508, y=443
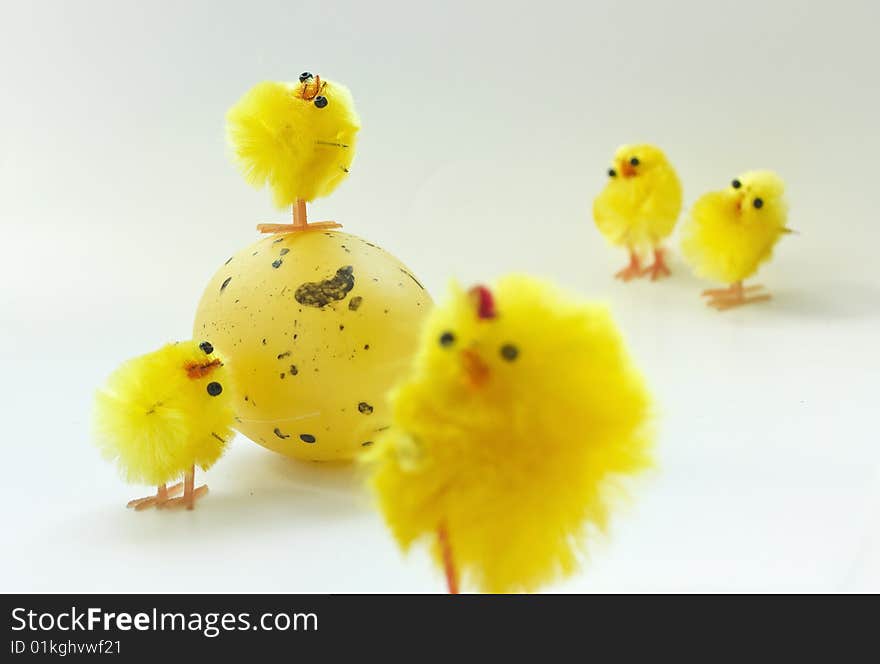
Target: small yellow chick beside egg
x=161, y=414
x=731, y=232
x=520, y=415
x=639, y=206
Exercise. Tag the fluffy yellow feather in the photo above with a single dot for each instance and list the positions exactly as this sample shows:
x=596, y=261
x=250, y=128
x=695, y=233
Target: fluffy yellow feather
x=520, y=414
x=731, y=232
x=639, y=206
x=299, y=138
x=162, y=413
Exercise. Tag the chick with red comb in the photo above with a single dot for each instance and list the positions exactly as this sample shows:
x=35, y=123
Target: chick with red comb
x=521, y=411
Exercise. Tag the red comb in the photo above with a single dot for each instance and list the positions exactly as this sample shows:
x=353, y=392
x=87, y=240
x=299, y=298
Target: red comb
x=485, y=302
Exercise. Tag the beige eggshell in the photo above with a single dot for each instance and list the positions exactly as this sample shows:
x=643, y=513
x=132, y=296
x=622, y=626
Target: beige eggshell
x=316, y=327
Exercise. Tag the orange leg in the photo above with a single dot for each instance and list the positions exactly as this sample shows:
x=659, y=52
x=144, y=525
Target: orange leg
x=190, y=492
x=658, y=269
x=163, y=494
x=299, y=222
x=631, y=271
x=448, y=563
x=736, y=295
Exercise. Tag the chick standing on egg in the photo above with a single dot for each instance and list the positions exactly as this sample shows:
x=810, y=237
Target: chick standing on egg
x=317, y=325
x=639, y=206
x=298, y=138
x=521, y=413
x=731, y=232
x=161, y=414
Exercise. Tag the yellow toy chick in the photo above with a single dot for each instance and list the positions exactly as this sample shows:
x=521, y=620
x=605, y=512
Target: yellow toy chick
x=299, y=138
x=731, y=232
x=520, y=414
x=639, y=206
x=162, y=414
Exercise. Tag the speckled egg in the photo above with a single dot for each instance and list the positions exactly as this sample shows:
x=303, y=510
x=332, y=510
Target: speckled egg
x=316, y=327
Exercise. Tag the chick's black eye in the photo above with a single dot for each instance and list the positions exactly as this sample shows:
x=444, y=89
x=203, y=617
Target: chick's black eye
x=611, y=172
x=758, y=203
x=206, y=347
x=634, y=161
x=736, y=184
x=305, y=76
x=447, y=339
x=320, y=101
x=509, y=352
x=214, y=388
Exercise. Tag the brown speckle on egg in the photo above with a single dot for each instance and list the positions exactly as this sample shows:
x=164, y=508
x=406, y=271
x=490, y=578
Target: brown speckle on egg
x=321, y=293
x=277, y=263
x=307, y=438
x=355, y=302
x=281, y=356
x=365, y=408
x=225, y=284
x=280, y=434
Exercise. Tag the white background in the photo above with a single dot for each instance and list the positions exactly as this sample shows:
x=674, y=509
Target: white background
x=487, y=130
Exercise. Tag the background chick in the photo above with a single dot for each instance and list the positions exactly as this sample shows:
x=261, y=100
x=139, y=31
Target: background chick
x=162, y=414
x=638, y=207
x=299, y=138
x=731, y=232
x=521, y=409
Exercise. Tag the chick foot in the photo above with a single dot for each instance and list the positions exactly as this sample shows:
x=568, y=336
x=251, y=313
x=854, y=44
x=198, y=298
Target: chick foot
x=162, y=496
x=294, y=228
x=736, y=295
x=190, y=492
x=448, y=562
x=631, y=271
x=658, y=269
x=187, y=501
x=300, y=222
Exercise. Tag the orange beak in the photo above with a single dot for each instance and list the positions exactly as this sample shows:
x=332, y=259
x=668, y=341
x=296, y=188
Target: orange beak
x=312, y=88
x=627, y=170
x=476, y=371
x=196, y=370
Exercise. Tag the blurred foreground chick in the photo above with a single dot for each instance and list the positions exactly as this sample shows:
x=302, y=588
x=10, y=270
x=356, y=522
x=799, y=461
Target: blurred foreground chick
x=521, y=413
x=162, y=414
x=731, y=232
x=639, y=206
x=299, y=138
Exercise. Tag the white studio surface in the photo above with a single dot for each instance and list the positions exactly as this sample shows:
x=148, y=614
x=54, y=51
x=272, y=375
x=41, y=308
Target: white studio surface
x=487, y=130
